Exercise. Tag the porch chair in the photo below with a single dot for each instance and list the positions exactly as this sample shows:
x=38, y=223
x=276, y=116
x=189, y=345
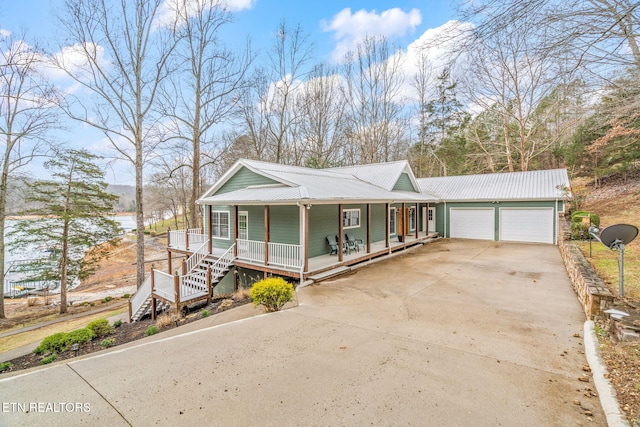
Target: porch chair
x=352, y=242
x=333, y=245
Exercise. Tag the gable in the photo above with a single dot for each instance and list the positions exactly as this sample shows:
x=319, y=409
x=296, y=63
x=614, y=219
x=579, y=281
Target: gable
x=404, y=183
x=243, y=179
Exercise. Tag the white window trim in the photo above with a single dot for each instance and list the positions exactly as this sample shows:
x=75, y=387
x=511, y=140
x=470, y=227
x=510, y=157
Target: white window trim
x=345, y=227
x=412, y=226
x=245, y=213
x=228, y=225
x=394, y=222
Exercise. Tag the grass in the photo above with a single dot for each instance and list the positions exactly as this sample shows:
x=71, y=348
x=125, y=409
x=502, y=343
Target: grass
x=35, y=336
x=161, y=226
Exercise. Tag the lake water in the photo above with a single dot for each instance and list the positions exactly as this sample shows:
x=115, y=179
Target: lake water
x=127, y=223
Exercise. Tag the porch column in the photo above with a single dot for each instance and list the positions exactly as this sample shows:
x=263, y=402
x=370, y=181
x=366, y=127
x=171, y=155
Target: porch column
x=416, y=216
x=235, y=231
x=368, y=227
x=405, y=227
x=386, y=225
x=266, y=235
x=169, y=261
x=340, y=232
x=426, y=220
x=305, y=242
x=209, y=229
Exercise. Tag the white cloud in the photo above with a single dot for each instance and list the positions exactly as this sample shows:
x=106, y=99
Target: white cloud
x=4, y=33
x=167, y=11
x=351, y=28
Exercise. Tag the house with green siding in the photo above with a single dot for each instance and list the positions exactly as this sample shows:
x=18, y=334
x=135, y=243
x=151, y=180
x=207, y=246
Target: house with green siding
x=264, y=218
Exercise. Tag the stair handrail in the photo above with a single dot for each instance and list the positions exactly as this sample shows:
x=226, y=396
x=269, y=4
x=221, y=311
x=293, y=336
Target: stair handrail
x=196, y=258
x=141, y=295
x=225, y=259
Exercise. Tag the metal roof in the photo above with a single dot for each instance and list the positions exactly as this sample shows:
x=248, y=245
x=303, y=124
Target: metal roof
x=383, y=175
x=530, y=185
x=309, y=185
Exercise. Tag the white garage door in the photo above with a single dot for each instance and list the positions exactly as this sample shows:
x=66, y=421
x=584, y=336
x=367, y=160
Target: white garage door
x=526, y=225
x=472, y=223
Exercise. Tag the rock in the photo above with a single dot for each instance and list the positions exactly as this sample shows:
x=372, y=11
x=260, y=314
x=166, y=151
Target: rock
x=586, y=368
x=584, y=379
x=576, y=402
x=576, y=335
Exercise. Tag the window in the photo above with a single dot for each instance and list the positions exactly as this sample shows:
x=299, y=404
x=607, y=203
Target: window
x=243, y=225
x=430, y=215
x=412, y=219
x=351, y=218
x=392, y=221
x=220, y=225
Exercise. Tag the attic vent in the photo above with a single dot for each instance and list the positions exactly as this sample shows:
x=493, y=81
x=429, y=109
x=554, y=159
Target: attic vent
x=267, y=186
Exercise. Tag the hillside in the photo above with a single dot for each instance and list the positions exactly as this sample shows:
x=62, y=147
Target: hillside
x=617, y=200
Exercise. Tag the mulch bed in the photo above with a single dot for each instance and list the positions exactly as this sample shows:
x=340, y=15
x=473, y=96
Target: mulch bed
x=126, y=332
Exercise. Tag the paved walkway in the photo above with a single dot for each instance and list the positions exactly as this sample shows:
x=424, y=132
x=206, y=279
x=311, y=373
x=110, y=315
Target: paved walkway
x=455, y=333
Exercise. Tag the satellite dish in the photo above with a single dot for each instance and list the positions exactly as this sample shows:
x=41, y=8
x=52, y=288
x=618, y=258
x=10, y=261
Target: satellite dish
x=615, y=237
x=618, y=234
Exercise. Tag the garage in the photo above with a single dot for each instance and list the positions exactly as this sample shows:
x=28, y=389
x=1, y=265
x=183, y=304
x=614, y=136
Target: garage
x=526, y=225
x=472, y=223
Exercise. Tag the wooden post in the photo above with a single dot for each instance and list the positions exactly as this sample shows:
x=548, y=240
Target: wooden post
x=340, y=233
x=368, y=228
x=169, y=236
x=416, y=215
x=186, y=240
x=266, y=235
x=184, y=267
x=305, y=217
x=405, y=226
x=169, y=261
x=176, y=293
x=209, y=233
x=386, y=225
x=130, y=310
x=235, y=230
x=209, y=285
x=153, y=300
x=426, y=219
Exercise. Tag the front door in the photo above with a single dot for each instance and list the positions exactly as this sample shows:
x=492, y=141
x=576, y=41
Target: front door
x=431, y=219
x=243, y=225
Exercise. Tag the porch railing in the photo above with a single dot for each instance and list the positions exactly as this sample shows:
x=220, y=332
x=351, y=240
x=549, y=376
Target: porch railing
x=163, y=285
x=250, y=250
x=197, y=256
x=285, y=255
x=184, y=239
x=280, y=254
x=142, y=293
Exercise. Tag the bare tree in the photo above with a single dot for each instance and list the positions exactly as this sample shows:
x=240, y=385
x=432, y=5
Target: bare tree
x=204, y=90
x=322, y=106
x=124, y=50
x=373, y=82
x=28, y=111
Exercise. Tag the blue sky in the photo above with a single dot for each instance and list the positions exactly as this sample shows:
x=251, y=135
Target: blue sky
x=333, y=26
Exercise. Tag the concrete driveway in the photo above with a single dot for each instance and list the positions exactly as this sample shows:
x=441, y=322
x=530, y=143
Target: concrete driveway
x=455, y=333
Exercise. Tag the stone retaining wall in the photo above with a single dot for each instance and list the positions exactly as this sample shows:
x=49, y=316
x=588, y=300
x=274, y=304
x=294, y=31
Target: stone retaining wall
x=593, y=294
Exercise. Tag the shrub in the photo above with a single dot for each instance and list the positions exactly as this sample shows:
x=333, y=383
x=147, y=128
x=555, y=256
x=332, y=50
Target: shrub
x=204, y=313
x=164, y=320
x=272, y=293
x=106, y=299
x=100, y=327
x=576, y=217
x=117, y=323
x=49, y=359
x=242, y=294
x=152, y=330
x=31, y=301
x=79, y=336
x=579, y=230
x=4, y=366
x=53, y=343
x=126, y=296
x=108, y=342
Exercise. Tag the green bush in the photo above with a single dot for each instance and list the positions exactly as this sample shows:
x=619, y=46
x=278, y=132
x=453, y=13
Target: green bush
x=53, y=343
x=49, y=359
x=108, y=342
x=152, y=330
x=126, y=296
x=576, y=217
x=204, y=313
x=579, y=231
x=117, y=323
x=272, y=293
x=100, y=327
x=79, y=336
x=4, y=366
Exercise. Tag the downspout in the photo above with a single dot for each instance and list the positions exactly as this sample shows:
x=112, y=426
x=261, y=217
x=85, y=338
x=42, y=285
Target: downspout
x=445, y=219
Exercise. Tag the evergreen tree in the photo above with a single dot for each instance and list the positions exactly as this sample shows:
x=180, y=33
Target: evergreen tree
x=72, y=222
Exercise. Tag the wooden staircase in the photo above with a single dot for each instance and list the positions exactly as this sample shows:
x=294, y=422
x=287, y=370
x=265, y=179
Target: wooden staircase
x=197, y=284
